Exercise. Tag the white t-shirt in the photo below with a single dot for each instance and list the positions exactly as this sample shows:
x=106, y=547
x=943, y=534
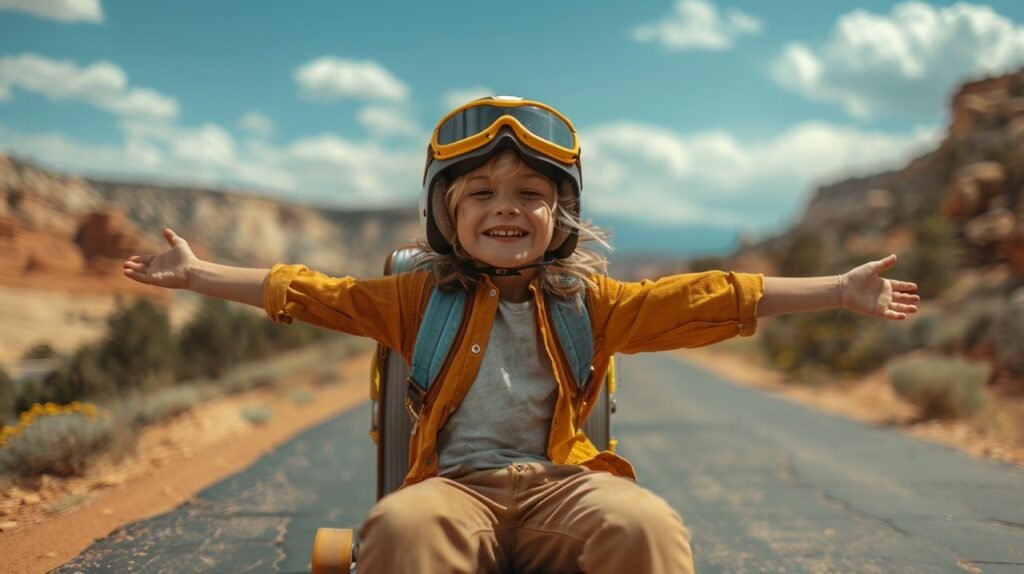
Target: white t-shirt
x=506, y=415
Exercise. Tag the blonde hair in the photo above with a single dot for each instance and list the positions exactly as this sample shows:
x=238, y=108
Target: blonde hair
x=563, y=277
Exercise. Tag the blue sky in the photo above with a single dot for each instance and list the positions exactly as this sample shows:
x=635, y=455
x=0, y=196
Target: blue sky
x=698, y=119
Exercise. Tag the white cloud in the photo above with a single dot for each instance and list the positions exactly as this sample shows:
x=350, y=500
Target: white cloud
x=102, y=84
x=257, y=124
x=456, y=98
x=208, y=144
x=363, y=173
x=698, y=25
x=325, y=168
x=902, y=63
x=60, y=10
x=715, y=178
x=385, y=122
x=327, y=79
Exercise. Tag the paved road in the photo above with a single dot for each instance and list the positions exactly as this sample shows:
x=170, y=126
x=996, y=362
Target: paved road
x=764, y=484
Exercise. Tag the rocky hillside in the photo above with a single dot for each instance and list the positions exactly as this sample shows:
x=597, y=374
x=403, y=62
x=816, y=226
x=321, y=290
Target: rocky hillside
x=972, y=183
x=66, y=233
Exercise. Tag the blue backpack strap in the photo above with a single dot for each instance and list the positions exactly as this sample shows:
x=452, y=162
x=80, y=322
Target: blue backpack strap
x=434, y=340
x=572, y=325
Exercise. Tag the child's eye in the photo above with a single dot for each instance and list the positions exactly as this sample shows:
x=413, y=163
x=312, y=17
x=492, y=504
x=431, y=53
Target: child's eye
x=480, y=193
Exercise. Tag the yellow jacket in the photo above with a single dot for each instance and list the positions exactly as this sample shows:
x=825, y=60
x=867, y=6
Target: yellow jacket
x=689, y=310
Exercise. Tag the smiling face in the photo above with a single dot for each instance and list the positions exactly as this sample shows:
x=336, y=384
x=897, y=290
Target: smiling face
x=505, y=212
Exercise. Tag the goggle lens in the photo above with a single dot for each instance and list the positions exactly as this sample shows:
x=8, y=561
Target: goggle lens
x=540, y=122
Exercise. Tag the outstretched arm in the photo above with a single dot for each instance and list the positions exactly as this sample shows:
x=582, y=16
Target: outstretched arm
x=861, y=289
x=179, y=268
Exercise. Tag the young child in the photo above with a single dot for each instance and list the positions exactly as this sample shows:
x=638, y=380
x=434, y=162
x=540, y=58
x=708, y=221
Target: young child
x=501, y=478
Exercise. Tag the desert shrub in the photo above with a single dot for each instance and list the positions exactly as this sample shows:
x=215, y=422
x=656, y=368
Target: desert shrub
x=42, y=351
x=8, y=395
x=302, y=397
x=66, y=503
x=959, y=329
x=933, y=260
x=941, y=387
x=212, y=342
x=80, y=377
x=241, y=382
x=1008, y=335
x=848, y=344
x=925, y=330
x=140, y=350
x=293, y=336
x=53, y=439
x=163, y=404
x=256, y=414
x=708, y=263
x=223, y=335
x=805, y=256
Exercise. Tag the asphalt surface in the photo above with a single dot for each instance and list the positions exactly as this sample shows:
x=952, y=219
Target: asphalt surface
x=765, y=485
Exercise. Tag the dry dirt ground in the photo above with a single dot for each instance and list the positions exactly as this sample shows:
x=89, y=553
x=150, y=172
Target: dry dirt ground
x=43, y=525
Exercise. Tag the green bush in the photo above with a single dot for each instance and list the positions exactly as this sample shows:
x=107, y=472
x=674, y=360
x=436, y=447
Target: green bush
x=163, y=404
x=210, y=343
x=80, y=377
x=302, y=397
x=60, y=445
x=222, y=335
x=805, y=256
x=42, y=351
x=256, y=414
x=941, y=387
x=849, y=344
x=1008, y=335
x=933, y=261
x=140, y=351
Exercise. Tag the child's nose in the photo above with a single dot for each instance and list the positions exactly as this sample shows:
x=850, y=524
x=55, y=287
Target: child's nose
x=506, y=207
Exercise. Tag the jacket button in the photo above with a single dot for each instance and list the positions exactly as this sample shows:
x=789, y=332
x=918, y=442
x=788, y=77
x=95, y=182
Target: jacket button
x=493, y=292
x=475, y=349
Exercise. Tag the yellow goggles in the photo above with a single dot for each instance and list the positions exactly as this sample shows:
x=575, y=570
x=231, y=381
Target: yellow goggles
x=475, y=124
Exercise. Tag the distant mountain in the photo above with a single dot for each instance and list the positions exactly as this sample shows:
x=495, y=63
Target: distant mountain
x=972, y=185
x=63, y=232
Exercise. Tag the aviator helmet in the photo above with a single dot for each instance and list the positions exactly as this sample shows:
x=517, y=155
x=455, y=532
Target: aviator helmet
x=471, y=134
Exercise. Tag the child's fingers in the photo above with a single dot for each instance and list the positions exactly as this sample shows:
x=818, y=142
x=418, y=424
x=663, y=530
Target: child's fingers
x=171, y=236
x=899, y=297
x=141, y=259
x=883, y=265
x=135, y=266
x=894, y=315
x=904, y=286
x=903, y=308
x=133, y=274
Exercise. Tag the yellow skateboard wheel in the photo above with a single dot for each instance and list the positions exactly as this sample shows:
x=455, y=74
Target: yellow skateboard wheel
x=332, y=551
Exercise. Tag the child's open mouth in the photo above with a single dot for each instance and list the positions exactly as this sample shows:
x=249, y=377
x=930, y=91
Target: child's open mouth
x=506, y=233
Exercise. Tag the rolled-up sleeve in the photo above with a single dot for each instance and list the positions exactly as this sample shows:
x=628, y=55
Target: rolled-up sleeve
x=688, y=310
x=384, y=309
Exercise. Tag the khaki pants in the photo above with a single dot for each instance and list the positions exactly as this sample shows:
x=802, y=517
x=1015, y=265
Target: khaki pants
x=535, y=517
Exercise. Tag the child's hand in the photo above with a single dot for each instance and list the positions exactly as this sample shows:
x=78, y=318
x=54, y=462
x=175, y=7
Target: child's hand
x=865, y=291
x=169, y=269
